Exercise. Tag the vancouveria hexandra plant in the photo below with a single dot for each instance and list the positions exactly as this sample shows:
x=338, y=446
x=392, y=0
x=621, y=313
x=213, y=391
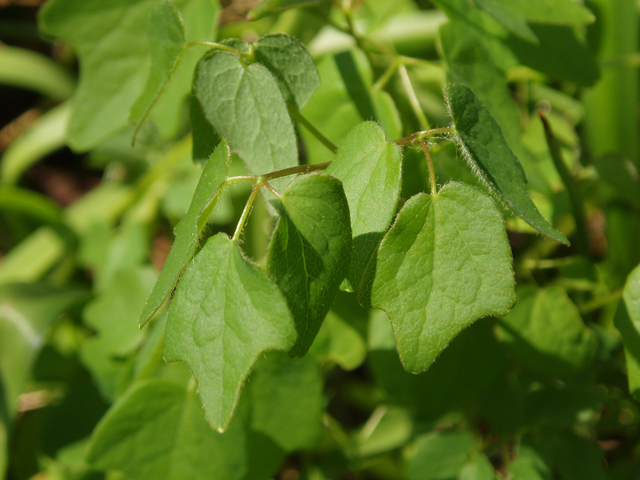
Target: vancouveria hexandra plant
x=444, y=263
x=341, y=188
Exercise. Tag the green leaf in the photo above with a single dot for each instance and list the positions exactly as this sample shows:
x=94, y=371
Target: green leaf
x=387, y=429
x=268, y=7
x=111, y=43
x=187, y=231
x=341, y=338
x=371, y=173
x=555, y=12
x=225, y=313
x=114, y=313
x=439, y=455
x=287, y=401
x=479, y=468
x=547, y=333
x=510, y=16
x=309, y=251
x=487, y=152
x=157, y=431
x=165, y=32
x=244, y=104
x=28, y=69
x=445, y=263
x=627, y=321
x=292, y=65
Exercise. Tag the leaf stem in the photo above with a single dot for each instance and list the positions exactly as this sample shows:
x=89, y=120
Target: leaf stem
x=432, y=173
x=247, y=208
x=600, y=302
x=577, y=206
x=218, y=46
x=295, y=113
x=386, y=76
x=425, y=133
x=415, y=104
x=294, y=170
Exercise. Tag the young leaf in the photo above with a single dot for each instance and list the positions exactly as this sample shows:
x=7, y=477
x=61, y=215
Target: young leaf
x=187, y=231
x=291, y=64
x=244, y=104
x=157, y=431
x=309, y=251
x=225, y=313
x=166, y=41
x=627, y=321
x=445, y=263
x=487, y=152
x=370, y=170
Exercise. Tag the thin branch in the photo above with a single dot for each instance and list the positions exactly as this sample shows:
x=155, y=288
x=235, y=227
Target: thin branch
x=425, y=133
x=247, y=209
x=415, y=104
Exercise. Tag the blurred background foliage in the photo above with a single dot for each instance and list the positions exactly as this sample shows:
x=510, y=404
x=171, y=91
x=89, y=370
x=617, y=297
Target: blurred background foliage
x=86, y=223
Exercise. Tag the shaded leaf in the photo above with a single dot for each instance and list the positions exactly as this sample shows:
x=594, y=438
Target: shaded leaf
x=157, y=431
x=309, y=251
x=445, y=263
x=187, y=231
x=287, y=401
x=547, y=333
x=487, y=152
x=225, y=313
x=244, y=104
x=510, y=16
x=371, y=173
x=480, y=468
x=439, y=455
x=292, y=65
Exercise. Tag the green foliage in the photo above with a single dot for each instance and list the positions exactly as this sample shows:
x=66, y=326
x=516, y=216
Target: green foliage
x=331, y=239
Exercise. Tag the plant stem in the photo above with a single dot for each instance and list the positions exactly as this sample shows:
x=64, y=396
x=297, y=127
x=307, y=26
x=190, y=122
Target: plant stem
x=247, y=209
x=577, y=206
x=294, y=170
x=218, y=46
x=600, y=302
x=425, y=133
x=386, y=76
x=293, y=111
x=424, y=123
x=432, y=173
